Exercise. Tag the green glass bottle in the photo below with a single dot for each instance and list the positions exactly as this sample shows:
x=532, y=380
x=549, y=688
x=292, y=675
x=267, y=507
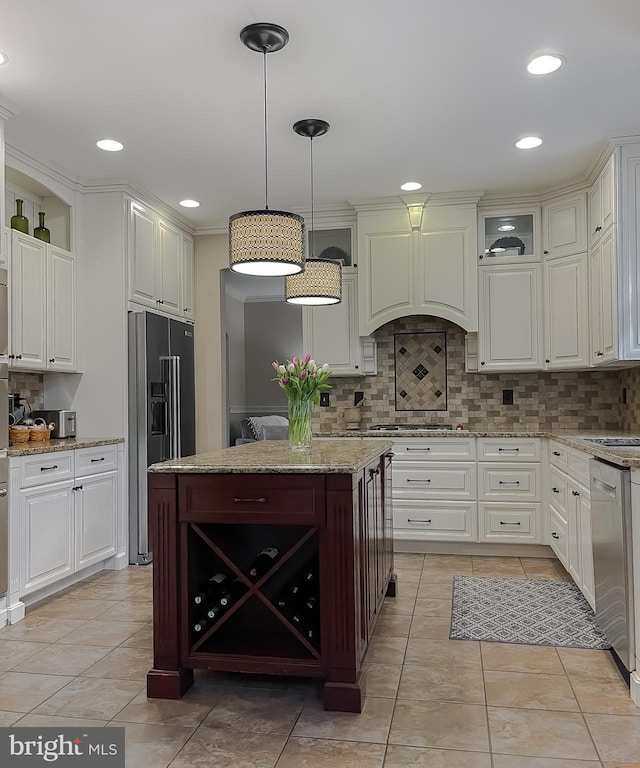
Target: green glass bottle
x=41, y=232
x=20, y=222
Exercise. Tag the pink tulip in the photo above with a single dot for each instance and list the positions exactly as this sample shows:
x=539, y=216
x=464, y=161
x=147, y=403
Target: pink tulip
x=285, y=380
x=275, y=366
x=307, y=358
x=303, y=375
x=295, y=361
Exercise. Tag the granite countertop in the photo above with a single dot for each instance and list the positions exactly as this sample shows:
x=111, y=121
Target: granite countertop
x=61, y=444
x=275, y=457
x=402, y=434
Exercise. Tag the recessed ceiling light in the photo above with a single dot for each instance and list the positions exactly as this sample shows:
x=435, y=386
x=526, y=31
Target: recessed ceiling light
x=189, y=203
x=3, y=58
x=110, y=145
x=506, y=228
x=411, y=186
x=529, y=142
x=544, y=63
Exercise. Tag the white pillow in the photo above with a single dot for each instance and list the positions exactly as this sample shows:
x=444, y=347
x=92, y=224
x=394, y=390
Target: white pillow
x=258, y=423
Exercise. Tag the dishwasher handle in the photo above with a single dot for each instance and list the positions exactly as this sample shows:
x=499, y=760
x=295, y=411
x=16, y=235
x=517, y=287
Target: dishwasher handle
x=609, y=490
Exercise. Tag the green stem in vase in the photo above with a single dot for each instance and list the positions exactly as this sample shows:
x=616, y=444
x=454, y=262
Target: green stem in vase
x=300, y=423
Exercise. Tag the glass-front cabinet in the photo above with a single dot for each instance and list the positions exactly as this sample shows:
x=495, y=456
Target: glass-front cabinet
x=509, y=236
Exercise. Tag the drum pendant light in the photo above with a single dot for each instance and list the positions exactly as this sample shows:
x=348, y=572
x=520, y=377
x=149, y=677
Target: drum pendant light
x=265, y=242
x=321, y=281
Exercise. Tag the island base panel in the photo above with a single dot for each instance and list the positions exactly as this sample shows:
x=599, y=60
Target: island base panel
x=345, y=697
x=168, y=684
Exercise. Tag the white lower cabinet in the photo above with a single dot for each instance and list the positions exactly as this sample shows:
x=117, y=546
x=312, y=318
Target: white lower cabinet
x=95, y=523
x=509, y=523
x=435, y=520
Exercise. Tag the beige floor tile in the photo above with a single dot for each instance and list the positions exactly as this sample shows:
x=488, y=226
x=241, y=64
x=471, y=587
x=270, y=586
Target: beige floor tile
x=321, y=753
x=129, y=611
x=401, y=604
x=416, y=757
x=21, y=691
x=133, y=574
x=439, y=653
x=523, y=689
x=53, y=721
x=105, y=591
x=440, y=724
x=463, y=684
x=601, y=696
x=141, y=639
x=406, y=576
x=104, y=633
x=144, y=595
x=35, y=628
x=408, y=562
x=544, y=569
x=507, y=657
x=123, y=663
x=397, y=625
x=61, y=659
x=616, y=737
x=438, y=578
x=90, y=697
x=253, y=710
x=382, y=679
x=152, y=746
x=386, y=650
x=433, y=606
x=12, y=652
x=453, y=564
x=9, y=718
x=431, y=627
x=440, y=590
x=74, y=608
x=518, y=761
x=537, y=733
x=598, y=664
x=183, y=712
x=498, y=566
x=409, y=590
x=371, y=725
x=225, y=748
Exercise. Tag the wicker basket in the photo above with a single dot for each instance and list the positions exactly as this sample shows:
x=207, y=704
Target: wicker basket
x=39, y=435
x=19, y=435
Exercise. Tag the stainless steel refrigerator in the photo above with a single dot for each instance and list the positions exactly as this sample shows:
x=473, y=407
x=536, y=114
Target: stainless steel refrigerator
x=161, y=410
x=4, y=434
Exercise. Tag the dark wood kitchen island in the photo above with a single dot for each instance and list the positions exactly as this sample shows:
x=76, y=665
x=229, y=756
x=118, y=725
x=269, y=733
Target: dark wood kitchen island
x=324, y=520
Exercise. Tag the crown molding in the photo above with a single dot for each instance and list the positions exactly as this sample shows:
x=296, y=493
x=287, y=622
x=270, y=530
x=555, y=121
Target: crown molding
x=8, y=108
x=40, y=167
x=400, y=203
x=230, y=291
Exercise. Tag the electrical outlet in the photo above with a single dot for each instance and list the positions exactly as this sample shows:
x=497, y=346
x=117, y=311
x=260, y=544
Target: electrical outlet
x=324, y=398
x=507, y=397
x=358, y=397
x=624, y=395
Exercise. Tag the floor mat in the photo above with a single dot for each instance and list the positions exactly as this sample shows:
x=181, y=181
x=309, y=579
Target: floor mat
x=523, y=611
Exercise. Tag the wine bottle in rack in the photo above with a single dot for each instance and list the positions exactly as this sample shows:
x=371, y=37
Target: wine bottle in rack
x=201, y=624
x=232, y=593
x=214, y=613
x=263, y=562
x=211, y=589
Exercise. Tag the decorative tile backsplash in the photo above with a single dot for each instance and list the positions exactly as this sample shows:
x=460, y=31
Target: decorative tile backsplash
x=29, y=385
x=421, y=371
x=567, y=399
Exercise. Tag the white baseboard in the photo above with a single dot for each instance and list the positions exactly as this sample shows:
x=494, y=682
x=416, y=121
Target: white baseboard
x=473, y=548
x=16, y=612
x=4, y=616
x=117, y=562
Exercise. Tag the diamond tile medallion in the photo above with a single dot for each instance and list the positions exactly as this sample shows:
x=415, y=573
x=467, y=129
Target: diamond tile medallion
x=421, y=371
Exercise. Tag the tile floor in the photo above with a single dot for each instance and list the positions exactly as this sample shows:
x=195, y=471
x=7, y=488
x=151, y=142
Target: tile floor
x=81, y=658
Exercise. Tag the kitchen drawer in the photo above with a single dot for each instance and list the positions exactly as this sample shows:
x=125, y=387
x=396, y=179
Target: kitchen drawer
x=269, y=499
x=558, y=535
x=558, y=489
x=46, y=468
x=90, y=461
x=509, y=481
x=512, y=522
x=508, y=449
x=557, y=454
x=435, y=520
x=418, y=480
x=435, y=449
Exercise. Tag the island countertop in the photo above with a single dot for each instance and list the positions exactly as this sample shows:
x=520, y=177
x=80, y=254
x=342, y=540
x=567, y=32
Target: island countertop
x=275, y=457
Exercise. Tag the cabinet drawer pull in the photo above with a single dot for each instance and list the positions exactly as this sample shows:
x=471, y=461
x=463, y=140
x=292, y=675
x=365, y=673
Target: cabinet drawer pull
x=411, y=520
x=503, y=450
x=597, y=229
x=555, y=490
x=94, y=461
x=409, y=480
x=508, y=482
x=389, y=455
x=554, y=535
x=77, y=488
x=503, y=522
x=556, y=453
x=48, y=469
x=261, y=500
x=575, y=493
x=417, y=449
x=18, y=357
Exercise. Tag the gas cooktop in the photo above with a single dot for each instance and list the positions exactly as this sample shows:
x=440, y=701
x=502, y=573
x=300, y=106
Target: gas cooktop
x=616, y=442
x=407, y=427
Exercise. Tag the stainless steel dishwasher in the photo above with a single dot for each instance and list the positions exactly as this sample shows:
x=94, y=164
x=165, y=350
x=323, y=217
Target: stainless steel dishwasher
x=612, y=561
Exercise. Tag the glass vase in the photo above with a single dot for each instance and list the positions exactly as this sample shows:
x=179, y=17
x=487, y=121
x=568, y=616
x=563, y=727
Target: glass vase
x=41, y=232
x=20, y=222
x=300, y=424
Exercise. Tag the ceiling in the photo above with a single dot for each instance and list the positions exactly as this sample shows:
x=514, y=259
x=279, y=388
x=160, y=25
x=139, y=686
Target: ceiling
x=427, y=90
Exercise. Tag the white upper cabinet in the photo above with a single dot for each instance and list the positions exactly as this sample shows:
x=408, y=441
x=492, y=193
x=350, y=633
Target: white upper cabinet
x=566, y=320
x=186, y=245
x=61, y=310
x=564, y=225
x=602, y=274
x=143, y=281
x=509, y=235
x=602, y=201
x=428, y=271
x=510, y=334
x=170, y=268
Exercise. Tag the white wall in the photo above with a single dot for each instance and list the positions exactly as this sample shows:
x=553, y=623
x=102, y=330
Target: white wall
x=234, y=326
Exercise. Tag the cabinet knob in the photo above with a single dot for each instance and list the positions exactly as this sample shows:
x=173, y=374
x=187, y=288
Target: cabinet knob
x=555, y=490
x=547, y=361
x=12, y=357
x=556, y=453
x=18, y=357
x=598, y=229
x=52, y=359
x=482, y=363
x=187, y=309
x=160, y=301
x=575, y=493
x=481, y=256
x=545, y=252
x=554, y=535
x=356, y=366
x=599, y=354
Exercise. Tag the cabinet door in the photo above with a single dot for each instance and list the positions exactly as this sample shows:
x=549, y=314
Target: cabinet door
x=565, y=226
x=510, y=333
x=61, y=310
x=607, y=192
x=586, y=547
x=330, y=334
x=595, y=212
x=595, y=302
x=143, y=287
x=28, y=302
x=46, y=535
x=96, y=513
x=573, y=565
x=170, y=269
x=187, y=277
x=371, y=546
x=566, y=316
x=609, y=302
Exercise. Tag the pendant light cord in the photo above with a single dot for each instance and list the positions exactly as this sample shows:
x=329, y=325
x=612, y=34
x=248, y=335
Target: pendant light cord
x=313, y=253
x=266, y=147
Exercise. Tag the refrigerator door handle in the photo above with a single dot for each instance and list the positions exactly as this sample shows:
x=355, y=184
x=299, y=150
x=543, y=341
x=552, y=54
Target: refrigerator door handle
x=172, y=363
